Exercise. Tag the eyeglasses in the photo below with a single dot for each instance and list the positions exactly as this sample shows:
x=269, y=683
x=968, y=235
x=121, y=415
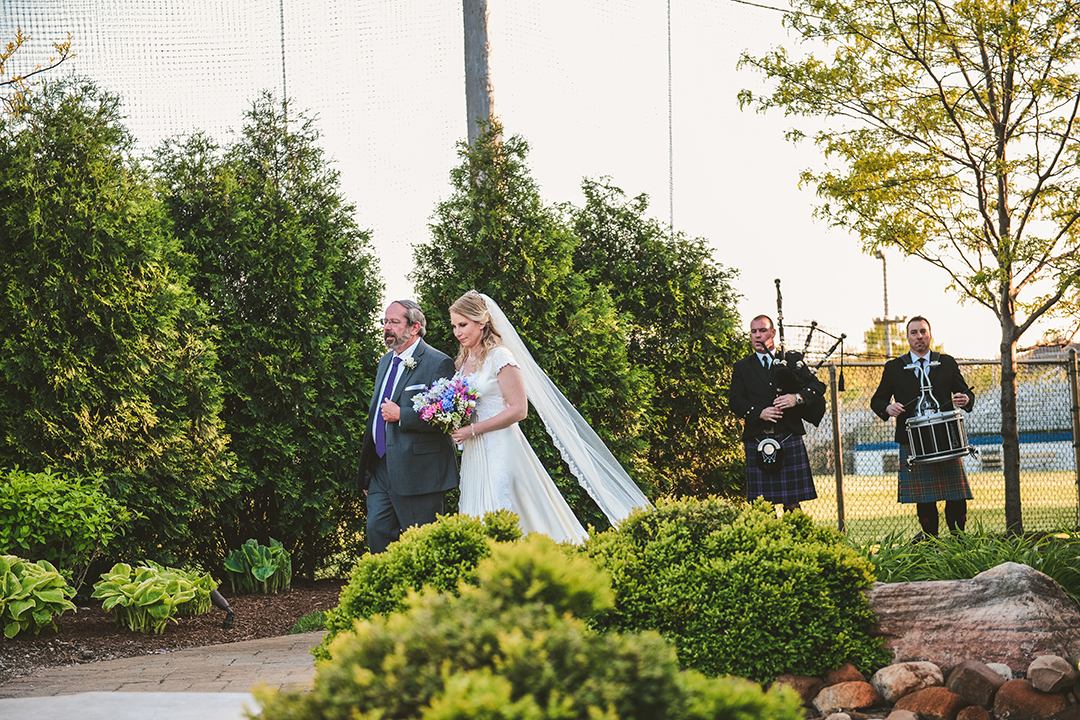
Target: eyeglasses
x=384, y=322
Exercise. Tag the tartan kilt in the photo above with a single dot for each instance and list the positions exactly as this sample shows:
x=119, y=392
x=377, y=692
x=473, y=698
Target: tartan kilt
x=794, y=483
x=930, y=482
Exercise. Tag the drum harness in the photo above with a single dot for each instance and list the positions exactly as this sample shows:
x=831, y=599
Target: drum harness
x=928, y=413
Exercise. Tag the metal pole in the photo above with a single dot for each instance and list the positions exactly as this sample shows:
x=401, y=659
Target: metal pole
x=838, y=449
x=479, y=94
x=284, y=86
x=670, y=132
x=886, y=318
x=1074, y=410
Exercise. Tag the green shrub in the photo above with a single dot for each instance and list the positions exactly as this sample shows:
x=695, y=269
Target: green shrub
x=65, y=519
x=740, y=593
x=31, y=595
x=258, y=568
x=146, y=598
x=966, y=554
x=516, y=646
x=437, y=555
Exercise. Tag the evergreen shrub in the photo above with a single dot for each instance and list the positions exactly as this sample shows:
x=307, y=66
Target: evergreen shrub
x=62, y=518
x=516, y=646
x=437, y=555
x=740, y=591
x=108, y=360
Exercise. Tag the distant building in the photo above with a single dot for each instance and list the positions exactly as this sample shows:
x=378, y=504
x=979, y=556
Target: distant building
x=1050, y=352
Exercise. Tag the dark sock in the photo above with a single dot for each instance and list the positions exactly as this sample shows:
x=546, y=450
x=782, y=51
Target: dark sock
x=956, y=515
x=928, y=517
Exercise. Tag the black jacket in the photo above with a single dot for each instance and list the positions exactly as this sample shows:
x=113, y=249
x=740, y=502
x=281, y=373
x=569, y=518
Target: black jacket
x=753, y=389
x=903, y=386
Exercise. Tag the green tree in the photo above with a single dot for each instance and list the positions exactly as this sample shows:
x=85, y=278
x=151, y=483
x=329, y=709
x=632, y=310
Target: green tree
x=107, y=363
x=496, y=235
x=874, y=340
x=682, y=327
x=294, y=289
x=953, y=136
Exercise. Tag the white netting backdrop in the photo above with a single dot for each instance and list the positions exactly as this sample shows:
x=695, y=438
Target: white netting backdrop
x=585, y=81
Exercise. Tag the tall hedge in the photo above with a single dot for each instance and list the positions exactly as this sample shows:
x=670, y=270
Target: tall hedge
x=681, y=325
x=293, y=288
x=496, y=235
x=107, y=361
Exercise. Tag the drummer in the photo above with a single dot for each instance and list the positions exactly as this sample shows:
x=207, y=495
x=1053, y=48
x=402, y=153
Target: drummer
x=897, y=396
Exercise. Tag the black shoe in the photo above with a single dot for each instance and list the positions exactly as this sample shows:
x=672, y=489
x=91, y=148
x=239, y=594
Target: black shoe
x=229, y=622
x=920, y=537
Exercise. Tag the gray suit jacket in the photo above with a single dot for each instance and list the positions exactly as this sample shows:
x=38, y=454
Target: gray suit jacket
x=420, y=458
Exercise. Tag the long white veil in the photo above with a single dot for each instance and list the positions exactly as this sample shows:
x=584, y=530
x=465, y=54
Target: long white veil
x=595, y=468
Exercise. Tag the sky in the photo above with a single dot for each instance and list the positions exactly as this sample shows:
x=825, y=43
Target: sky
x=585, y=82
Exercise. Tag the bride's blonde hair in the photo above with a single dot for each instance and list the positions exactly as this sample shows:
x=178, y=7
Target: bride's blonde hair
x=472, y=306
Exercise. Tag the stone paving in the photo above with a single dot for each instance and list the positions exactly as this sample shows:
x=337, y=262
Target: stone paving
x=208, y=683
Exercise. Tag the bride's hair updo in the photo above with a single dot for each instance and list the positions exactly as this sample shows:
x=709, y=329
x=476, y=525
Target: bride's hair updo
x=472, y=306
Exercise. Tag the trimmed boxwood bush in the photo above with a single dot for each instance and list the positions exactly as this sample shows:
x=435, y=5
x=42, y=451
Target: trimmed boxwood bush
x=64, y=519
x=437, y=555
x=740, y=591
x=516, y=646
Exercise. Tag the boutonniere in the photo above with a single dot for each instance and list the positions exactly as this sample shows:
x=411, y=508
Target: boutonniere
x=409, y=363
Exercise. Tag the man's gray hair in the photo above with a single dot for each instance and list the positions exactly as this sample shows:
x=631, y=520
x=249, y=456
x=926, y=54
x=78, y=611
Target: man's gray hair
x=413, y=314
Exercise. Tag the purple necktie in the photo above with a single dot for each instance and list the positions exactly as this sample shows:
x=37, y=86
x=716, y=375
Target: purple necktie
x=380, y=424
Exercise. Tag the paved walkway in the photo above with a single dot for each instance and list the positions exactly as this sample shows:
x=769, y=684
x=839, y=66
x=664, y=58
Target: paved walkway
x=209, y=683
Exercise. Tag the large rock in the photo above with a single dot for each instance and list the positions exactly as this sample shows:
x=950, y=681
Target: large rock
x=1051, y=673
x=853, y=695
x=1007, y=614
x=845, y=673
x=976, y=682
x=902, y=715
x=1018, y=700
x=934, y=703
x=806, y=685
x=895, y=681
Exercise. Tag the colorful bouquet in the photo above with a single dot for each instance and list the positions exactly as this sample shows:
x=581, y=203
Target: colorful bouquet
x=448, y=404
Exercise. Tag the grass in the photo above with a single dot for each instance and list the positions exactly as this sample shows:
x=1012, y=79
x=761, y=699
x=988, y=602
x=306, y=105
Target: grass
x=966, y=554
x=1049, y=500
x=309, y=623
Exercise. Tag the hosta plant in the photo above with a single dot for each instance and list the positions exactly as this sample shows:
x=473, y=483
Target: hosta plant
x=258, y=568
x=148, y=597
x=31, y=595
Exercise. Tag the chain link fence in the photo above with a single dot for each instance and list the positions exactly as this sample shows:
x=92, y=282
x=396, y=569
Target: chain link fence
x=859, y=494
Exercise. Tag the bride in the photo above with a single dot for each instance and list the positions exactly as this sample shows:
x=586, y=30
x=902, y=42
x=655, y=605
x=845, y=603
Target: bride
x=498, y=467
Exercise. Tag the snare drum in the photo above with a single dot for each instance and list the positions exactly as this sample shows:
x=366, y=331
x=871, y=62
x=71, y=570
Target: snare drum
x=937, y=436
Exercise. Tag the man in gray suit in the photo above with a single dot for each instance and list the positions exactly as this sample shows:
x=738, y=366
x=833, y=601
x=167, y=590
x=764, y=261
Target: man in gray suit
x=406, y=464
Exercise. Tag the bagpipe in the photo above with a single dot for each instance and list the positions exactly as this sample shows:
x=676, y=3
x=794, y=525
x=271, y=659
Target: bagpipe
x=792, y=372
x=791, y=375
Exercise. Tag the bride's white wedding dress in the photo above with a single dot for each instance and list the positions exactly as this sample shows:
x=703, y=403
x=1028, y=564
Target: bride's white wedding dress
x=500, y=470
